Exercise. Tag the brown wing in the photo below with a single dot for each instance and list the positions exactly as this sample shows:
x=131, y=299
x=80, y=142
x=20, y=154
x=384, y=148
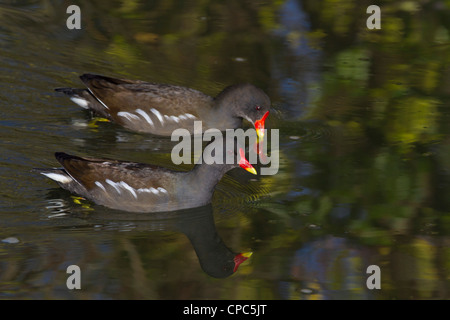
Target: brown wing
x=148, y=107
x=88, y=171
x=121, y=185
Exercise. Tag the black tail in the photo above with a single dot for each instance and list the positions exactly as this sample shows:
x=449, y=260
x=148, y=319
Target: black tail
x=62, y=156
x=71, y=91
x=44, y=170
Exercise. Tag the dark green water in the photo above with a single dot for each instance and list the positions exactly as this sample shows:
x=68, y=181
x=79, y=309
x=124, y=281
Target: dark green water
x=364, y=150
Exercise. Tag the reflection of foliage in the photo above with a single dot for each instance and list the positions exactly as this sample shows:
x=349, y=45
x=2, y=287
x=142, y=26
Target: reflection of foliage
x=382, y=172
x=385, y=100
x=197, y=42
x=402, y=77
x=207, y=44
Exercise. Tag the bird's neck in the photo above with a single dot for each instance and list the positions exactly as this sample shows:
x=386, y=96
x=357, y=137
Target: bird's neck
x=204, y=178
x=208, y=175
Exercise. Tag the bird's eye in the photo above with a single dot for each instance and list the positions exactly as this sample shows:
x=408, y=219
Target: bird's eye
x=258, y=107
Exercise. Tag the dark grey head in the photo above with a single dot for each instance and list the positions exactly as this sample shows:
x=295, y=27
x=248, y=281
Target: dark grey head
x=247, y=101
x=220, y=262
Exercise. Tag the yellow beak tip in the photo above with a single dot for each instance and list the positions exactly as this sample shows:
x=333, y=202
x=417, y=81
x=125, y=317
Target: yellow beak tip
x=251, y=170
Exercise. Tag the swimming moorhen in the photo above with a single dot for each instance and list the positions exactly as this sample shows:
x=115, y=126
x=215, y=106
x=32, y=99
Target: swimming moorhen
x=139, y=187
x=161, y=108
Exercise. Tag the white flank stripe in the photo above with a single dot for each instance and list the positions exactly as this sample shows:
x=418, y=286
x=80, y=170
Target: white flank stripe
x=145, y=116
x=99, y=184
x=81, y=102
x=57, y=177
x=127, y=115
x=143, y=190
x=182, y=117
x=123, y=184
x=129, y=188
x=190, y=116
x=158, y=114
x=152, y=190
x=113, y=184
x=162, y=190
x=172, y=118
x=149, y=190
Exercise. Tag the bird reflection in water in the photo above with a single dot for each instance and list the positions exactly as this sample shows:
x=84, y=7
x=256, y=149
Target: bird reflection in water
x=215, y=258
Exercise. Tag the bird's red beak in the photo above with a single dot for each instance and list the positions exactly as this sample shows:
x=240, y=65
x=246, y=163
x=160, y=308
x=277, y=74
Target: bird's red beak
x=241, y=257
x=243, y=162
x=259, y=125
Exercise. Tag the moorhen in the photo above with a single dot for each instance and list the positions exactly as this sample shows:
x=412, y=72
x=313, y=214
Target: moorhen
x=138, y=187
x=161, y=108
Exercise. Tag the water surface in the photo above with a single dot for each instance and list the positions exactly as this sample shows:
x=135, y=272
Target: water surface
x=364, y=150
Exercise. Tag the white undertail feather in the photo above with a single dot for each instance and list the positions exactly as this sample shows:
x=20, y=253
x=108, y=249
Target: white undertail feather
x=58, y=177
x=81, y=102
